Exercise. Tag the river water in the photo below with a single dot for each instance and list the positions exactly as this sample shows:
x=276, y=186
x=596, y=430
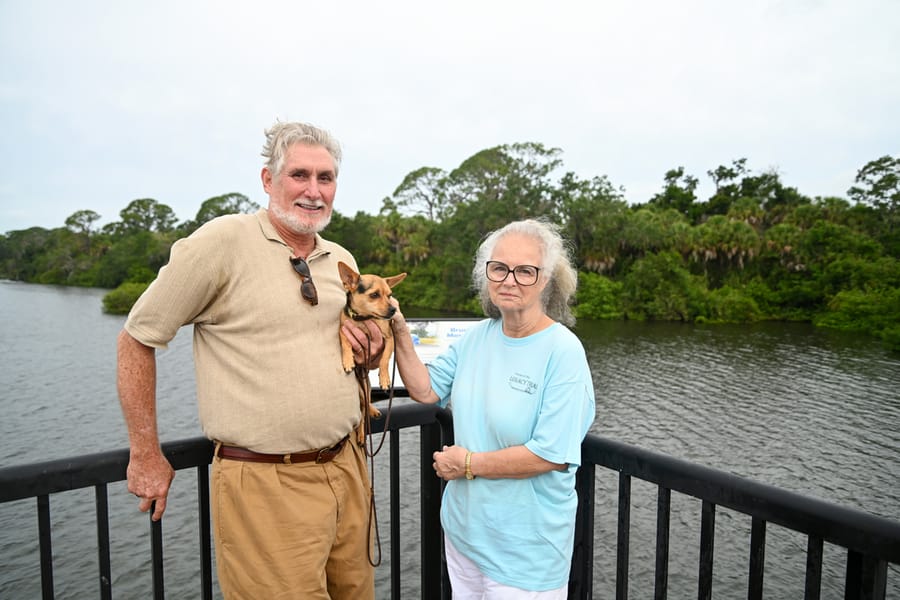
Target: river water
x=812, y=411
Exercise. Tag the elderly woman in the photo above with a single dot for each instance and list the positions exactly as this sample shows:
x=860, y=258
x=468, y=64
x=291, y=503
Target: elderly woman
x=522, y=399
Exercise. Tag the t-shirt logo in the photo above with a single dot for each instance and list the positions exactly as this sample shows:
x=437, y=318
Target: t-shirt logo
x=522, y=383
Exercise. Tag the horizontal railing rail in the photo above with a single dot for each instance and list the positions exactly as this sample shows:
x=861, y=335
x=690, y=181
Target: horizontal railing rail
x=872, y=542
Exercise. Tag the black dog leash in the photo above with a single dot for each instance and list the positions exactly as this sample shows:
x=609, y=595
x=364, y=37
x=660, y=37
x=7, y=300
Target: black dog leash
x=365, y=387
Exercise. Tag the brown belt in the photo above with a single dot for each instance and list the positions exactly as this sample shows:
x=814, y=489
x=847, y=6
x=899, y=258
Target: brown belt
x=319, y=456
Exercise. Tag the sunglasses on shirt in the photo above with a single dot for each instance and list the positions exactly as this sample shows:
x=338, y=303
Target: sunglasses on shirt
x=307, y=287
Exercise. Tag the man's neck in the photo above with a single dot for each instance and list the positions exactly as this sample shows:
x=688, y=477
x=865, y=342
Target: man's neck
x=302, y=243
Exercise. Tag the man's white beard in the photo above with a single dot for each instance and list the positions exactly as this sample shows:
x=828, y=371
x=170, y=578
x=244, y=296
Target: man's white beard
x=298, y=224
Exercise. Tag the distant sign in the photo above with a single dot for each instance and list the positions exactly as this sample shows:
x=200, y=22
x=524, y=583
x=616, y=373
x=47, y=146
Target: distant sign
x=431, y=338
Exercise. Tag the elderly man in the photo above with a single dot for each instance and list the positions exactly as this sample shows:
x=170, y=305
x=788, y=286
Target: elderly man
x=290, y=490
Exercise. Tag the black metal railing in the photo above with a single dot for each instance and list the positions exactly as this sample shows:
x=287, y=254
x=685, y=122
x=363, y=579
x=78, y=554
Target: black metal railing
x=41, y=480
x=871, y=542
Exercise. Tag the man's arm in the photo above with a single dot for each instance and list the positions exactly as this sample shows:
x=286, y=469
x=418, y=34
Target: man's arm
x=149, y=473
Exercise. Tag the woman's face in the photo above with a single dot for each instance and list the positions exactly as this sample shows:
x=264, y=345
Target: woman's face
x=515, y=250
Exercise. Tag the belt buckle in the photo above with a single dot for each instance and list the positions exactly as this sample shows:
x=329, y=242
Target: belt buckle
x=322, y=457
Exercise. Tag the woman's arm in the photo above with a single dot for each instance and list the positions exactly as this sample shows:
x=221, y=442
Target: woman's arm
x=413, y=371
x=515, y=462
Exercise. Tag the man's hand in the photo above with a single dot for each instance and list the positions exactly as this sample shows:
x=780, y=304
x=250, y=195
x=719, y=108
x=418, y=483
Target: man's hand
x=149, y=479
x=364, y=347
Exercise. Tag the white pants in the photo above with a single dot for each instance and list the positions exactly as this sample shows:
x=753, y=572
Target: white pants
x=471, y=584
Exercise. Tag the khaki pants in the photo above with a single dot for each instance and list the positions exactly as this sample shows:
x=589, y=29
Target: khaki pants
x=293, y=531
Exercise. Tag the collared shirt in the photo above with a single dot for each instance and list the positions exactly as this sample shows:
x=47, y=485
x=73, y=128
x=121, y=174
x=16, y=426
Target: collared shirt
x=268, y=364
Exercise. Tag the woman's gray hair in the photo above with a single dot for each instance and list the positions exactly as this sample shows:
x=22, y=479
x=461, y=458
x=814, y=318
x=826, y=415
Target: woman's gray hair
x=556, y=267
x=282, y=136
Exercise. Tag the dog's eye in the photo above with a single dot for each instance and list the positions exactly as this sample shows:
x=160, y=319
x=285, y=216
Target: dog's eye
x=374, y=295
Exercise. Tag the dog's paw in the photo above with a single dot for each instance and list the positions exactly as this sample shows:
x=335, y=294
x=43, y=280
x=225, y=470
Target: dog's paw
x=374, y=412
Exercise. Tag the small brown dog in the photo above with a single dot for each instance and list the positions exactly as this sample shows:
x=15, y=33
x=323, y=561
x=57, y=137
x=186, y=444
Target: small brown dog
x=368, y=298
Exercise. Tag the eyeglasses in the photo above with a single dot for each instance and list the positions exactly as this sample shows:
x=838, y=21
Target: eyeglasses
x=524, y=275
x=307, y=287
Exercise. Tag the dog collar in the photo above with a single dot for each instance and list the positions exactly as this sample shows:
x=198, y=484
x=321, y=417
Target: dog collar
x=355, y=315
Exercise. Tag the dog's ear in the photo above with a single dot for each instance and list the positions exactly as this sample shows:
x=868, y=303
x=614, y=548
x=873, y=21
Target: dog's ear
x=349, y=277
x=392, y=281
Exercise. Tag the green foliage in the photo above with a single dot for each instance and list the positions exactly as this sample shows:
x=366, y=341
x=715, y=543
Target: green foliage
x=120, y=300
x=598, y=297
x=730, y=305
x=851, y=272
x=595, y=215
x=217, y=206
x=423, y=192
x=756, y=249
x=146, y=214
x=876, y=312
x=763, y=297
x=891, y=338
x=648, y=231
x=879, y=184
x=136, y=257
x=82, y=221
x=678, y=193
x=660, y=288
x=797, y=296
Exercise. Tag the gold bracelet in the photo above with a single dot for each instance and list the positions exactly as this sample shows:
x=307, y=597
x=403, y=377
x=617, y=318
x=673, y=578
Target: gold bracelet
x=469, y=474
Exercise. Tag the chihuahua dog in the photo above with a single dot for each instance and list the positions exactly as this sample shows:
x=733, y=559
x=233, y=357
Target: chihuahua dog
x=368, y=299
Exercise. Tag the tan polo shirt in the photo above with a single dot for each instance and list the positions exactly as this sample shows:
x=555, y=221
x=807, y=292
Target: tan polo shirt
x=269, y=375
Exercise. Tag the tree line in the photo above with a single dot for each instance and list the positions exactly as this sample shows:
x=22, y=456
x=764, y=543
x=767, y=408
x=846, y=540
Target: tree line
x=754, y=250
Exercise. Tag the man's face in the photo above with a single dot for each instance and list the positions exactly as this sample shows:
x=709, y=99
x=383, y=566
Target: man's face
x=302, y=195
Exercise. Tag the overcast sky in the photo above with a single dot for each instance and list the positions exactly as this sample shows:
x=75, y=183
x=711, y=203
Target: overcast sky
x=107, y=102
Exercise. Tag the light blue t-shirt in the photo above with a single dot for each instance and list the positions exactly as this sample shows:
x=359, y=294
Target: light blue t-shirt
x=503, y=392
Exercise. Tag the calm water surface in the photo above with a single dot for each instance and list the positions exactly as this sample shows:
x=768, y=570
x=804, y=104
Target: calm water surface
x=812, y=411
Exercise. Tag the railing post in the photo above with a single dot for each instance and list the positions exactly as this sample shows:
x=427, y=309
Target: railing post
x=156, y=551
x=757, y=558
x=663, y=518
x=707, y=548
x=102, y=509
x=814, y=553
x=395, y=513
x=581, y=573
x=623, y=535
x=205, y=531
x=43, y=508
x=430, y=518
x=874, y=578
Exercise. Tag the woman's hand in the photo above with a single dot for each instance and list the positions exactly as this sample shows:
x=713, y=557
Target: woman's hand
x=413, y=371
x=514, y=462
x=398, y=321
x=450, y=462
